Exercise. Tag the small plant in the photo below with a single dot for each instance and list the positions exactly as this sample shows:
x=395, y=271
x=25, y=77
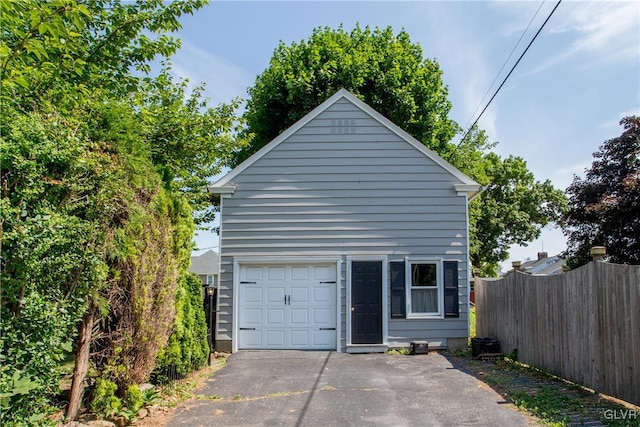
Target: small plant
x=401, y=350
x=150, y=397
x=105, y=403
x=133, y=400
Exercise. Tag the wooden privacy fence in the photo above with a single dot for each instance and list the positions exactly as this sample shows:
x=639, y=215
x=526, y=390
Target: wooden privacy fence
x=583, y=325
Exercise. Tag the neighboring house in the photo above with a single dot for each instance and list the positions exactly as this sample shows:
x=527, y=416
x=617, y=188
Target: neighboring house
x=343, y=233
x=544, y=265
x=207, y=267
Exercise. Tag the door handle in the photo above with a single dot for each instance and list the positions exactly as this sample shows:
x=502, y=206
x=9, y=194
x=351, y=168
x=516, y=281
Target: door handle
x=289, y=299
x=353, y=309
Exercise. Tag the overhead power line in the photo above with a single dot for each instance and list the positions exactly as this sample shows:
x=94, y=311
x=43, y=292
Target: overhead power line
x=504, y=64
x=506, y=78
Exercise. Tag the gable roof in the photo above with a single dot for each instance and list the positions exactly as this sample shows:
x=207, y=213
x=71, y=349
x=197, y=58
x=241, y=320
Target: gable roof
x=206, y=263
x=467, y=185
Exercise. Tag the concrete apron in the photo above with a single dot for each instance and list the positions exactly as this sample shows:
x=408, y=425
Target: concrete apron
x=315, y=388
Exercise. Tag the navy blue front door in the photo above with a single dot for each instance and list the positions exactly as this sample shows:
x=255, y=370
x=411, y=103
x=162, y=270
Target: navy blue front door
x=366, y=302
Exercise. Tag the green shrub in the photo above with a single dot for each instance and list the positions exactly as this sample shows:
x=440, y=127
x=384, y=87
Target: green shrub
x=133, y=398
x=187, y=349
x=105, y=403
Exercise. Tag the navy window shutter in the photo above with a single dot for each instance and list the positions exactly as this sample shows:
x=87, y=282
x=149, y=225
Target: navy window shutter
x=451, y=307
x=398, y=296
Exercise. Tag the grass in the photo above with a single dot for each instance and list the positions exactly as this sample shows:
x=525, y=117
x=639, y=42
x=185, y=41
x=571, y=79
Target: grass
x=551, y=400
x=554, y=401
x=179, y=391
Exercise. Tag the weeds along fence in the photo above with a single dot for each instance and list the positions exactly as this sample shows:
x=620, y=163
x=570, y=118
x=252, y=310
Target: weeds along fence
x=583, y=325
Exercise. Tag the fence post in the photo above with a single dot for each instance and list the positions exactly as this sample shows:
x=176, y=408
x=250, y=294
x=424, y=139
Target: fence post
x=598, y=253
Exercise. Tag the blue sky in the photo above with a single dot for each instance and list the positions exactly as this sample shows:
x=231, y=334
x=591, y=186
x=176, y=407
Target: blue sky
x=578, y=79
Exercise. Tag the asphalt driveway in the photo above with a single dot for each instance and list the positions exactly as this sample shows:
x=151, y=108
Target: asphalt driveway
x=312, y=388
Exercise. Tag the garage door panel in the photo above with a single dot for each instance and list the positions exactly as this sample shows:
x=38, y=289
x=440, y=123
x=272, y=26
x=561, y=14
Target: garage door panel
x=253, y=295
x=275, y=338
x=324, y=273
x=299, y=294
x=251, y=274
x=305, y=319
x=299, y=273
x=251, y=339
x=276, y=273
x=323, y=317
x=323, y=338
x=275, y=317
x=300, y=338
x=299, y=316
x=251, y=317
x=275, y=294
x=324, y=294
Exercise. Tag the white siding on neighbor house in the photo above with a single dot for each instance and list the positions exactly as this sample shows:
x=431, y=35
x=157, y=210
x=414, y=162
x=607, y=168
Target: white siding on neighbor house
x=357, y=190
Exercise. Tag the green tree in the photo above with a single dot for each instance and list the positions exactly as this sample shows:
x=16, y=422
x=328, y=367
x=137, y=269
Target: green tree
x=188, y=347
x=604, y=207
x=102, y=168
x=512, y=209
x=389, y=73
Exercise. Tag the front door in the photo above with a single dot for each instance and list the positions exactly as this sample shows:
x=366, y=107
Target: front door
x=366, y=302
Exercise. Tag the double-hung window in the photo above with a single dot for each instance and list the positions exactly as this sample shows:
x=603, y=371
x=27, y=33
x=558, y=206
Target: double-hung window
x=424, y=288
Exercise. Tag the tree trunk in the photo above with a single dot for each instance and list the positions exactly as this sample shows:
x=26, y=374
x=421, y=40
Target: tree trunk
x=82, y=362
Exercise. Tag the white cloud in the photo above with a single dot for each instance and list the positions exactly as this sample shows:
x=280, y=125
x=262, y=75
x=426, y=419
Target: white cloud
x=225, y=80
x=603, y=32
x=615, y=122
x=458, y=51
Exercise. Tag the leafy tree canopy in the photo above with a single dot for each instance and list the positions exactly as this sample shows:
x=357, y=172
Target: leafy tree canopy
x=385, y=70
x=102, y=167
x=604, y=207
x=388, y=72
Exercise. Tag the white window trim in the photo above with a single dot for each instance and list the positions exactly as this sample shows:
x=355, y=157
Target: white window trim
x=440, y=287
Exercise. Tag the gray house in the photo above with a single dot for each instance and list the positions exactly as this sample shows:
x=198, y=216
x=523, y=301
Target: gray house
x=343, y=233
x=207, y=267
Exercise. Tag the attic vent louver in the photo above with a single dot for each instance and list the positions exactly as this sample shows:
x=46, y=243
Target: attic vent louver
x=343, y=127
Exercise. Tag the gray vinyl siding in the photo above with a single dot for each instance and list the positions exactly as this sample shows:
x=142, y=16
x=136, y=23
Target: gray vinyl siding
x=355, y=190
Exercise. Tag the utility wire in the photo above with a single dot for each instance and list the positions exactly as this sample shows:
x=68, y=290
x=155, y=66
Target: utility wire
x=504, y=64
x=505, y=79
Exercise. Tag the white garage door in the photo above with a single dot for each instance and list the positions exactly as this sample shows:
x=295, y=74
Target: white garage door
x=287, y=307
